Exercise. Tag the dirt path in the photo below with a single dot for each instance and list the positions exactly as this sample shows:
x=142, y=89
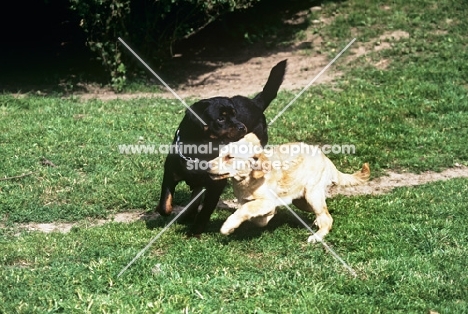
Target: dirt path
x=394, y=180
x=377, y=186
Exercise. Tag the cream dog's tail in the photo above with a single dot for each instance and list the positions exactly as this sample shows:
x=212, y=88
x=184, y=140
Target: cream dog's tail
x=356, y=178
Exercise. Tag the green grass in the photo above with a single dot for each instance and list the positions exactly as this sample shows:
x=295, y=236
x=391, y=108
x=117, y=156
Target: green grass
x=408, y=247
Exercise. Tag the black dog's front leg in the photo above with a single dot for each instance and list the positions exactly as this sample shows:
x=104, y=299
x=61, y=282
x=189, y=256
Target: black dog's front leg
x=192, y=210
x=167, y=192
x=212, y=194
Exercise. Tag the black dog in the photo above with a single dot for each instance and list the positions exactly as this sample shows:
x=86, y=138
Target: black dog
x=225, y=120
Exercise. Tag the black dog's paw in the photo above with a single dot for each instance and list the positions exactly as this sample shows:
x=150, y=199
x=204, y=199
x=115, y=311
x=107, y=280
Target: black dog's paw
x=163, y=211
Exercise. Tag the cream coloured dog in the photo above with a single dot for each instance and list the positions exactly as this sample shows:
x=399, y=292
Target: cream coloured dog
x=263, y=179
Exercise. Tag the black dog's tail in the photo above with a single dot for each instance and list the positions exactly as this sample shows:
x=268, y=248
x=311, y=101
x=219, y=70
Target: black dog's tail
x=270, y=90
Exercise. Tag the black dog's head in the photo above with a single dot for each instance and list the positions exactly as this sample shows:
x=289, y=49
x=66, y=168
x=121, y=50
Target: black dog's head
x=219, y=116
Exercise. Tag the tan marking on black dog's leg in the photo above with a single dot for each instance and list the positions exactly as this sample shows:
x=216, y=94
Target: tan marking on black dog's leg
x=165, y=205
x=167, y=191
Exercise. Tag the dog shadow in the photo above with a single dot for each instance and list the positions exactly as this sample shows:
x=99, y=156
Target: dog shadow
x=245, y=232
x=248, y=231
x=154, y=220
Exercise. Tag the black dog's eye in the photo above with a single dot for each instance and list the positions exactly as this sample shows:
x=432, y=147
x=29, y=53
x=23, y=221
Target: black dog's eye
x=221, y=119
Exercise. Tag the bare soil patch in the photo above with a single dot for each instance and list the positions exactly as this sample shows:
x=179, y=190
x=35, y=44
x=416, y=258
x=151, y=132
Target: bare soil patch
x=247, y=72
x=383, y=42
x=394, y=180
x=246, y=78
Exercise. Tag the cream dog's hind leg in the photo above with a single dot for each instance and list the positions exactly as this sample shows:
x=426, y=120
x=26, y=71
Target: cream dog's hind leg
x=314, y=201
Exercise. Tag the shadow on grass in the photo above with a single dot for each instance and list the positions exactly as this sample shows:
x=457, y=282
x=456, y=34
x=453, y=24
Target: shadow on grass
x=263, y=30
x=246, y=231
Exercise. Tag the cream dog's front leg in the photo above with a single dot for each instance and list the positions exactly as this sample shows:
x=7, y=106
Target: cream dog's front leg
x=248, y=211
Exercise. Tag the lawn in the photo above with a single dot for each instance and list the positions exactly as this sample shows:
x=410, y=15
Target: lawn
x=409, y=247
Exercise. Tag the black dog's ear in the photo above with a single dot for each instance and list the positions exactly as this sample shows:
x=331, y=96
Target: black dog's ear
x=195, y=113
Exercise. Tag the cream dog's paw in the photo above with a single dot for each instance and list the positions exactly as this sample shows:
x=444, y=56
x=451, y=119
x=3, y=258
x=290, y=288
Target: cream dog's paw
x=314, y=238
x=226, y=230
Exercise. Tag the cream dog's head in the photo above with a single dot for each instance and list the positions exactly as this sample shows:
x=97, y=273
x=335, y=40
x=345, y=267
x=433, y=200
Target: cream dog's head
x=239, y=160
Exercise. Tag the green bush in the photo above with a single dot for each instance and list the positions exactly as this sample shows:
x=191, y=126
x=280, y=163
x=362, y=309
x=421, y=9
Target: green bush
x=151, y=26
